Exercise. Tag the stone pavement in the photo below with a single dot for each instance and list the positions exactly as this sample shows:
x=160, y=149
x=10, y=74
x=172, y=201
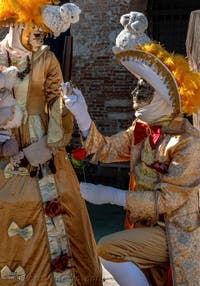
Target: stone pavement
x=108, y=280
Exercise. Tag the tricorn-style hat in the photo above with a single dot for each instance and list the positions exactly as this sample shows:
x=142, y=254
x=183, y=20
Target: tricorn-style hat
x=169, y=74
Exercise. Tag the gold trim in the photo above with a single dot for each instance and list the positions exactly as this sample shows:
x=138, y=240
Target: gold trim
x=158, y=67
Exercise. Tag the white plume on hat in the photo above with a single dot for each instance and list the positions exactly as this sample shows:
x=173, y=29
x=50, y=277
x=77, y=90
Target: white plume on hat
x=135, y=24
x=143, y=64
x=59, y=18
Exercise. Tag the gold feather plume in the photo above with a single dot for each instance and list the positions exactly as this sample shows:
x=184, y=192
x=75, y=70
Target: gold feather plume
x=23, y=11
x=187, y=79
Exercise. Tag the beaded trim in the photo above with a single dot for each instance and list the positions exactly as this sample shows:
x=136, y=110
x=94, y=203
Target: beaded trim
x=160, y=69
x=21, y=75
x=61, y=256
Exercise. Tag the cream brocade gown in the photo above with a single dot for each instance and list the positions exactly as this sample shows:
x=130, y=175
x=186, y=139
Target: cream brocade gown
x=40, y=245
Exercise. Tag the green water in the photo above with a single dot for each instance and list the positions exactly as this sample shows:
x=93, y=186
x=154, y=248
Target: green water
x=106, y=219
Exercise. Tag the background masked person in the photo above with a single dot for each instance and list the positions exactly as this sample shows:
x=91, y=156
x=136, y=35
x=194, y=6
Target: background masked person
x=163, y=149
x=45, y=229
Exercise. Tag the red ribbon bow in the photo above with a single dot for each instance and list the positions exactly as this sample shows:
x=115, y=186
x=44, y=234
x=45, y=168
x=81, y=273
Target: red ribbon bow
x=143, y=130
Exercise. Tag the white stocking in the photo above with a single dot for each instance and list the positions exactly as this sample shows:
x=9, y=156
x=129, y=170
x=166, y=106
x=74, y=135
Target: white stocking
x=125, y=273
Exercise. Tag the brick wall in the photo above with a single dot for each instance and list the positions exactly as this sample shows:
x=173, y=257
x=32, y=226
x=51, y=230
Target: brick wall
x=105, y=84
x=3, y=32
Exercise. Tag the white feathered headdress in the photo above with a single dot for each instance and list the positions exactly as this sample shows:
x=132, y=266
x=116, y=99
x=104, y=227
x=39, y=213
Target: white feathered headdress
x=169, y=74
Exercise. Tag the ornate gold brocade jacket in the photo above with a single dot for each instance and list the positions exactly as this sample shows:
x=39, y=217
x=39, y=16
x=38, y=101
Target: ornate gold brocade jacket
x=167, y=183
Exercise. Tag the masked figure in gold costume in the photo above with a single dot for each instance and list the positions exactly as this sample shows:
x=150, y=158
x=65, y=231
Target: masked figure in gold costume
x=46, y=236
x=163, y=210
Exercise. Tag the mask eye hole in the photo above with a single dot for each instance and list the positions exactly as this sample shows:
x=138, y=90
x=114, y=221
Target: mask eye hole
x=143, y=91
x=37, y=35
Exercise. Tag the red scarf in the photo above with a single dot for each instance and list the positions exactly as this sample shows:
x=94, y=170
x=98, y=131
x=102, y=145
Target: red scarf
x=143, y=130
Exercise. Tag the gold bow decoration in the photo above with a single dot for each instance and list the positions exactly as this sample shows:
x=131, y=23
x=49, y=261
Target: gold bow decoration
x=10, y=171
x=19, y=273
x=25, y=232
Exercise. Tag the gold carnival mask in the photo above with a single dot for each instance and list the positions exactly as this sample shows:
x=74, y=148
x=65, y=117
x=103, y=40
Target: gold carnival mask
x=32, y=38
x=142, y=94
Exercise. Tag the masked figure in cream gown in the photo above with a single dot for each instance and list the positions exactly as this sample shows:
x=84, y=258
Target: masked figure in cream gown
x=46, y=236
x=163, y=208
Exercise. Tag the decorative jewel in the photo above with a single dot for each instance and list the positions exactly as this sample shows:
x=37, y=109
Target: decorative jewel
x=26, y=71
x=21, y=75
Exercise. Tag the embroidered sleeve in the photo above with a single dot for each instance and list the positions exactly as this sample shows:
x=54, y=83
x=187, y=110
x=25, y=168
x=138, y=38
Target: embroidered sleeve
x=116, y=148
x=176, y=186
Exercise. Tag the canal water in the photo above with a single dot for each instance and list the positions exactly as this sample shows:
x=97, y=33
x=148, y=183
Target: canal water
x=106, y=219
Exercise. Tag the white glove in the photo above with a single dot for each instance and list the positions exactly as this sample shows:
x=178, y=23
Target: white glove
x=75, y=102
x=100, y=194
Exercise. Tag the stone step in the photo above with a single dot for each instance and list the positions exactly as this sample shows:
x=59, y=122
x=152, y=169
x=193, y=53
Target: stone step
x=108, y=280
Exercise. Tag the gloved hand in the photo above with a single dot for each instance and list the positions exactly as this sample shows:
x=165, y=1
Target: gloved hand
x=75, y=102
x=9, y=148
x=100, y=194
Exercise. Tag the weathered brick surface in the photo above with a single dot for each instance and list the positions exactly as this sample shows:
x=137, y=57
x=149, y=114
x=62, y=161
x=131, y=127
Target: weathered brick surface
x=105, y=84
x=3, y=32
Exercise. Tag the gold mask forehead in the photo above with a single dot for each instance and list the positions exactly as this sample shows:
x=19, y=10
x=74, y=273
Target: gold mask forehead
x=29, y=38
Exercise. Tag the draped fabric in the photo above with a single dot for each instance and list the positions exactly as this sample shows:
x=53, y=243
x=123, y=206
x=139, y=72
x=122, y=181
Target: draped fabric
x=21, y=196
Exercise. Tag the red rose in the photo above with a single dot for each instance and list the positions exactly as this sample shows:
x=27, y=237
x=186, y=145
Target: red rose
x=53, y=208
x=60, y=264
x=57, y=265
x=65, y=260
x=79, y=153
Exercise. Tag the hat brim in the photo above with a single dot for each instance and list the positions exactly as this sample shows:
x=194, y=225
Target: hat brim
x=147, y=66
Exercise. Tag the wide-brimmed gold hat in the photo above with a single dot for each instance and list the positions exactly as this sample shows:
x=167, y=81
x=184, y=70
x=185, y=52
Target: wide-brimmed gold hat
x=169, y=74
